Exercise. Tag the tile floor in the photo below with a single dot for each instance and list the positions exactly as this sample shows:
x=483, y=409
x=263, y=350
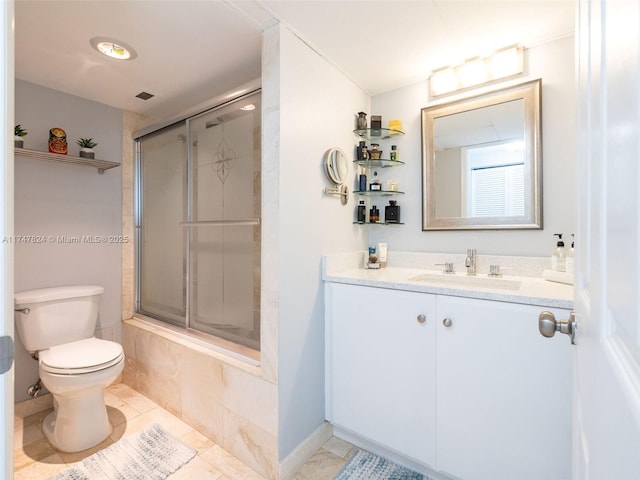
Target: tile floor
x=130, y=412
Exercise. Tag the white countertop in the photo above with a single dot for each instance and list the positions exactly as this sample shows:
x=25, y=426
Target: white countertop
x=531, y=291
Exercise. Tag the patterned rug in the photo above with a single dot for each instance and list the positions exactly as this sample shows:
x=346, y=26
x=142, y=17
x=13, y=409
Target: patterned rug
x=367, y=466
x=151, y=454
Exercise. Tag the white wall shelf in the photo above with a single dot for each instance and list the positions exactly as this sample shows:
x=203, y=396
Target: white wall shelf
x=101, y=165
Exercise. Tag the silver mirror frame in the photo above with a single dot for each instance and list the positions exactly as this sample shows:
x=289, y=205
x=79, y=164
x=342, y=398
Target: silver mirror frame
x=530, y=93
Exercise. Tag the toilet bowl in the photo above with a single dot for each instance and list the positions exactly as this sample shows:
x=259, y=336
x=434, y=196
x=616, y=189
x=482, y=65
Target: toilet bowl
x=58, y=324
x=76, y=374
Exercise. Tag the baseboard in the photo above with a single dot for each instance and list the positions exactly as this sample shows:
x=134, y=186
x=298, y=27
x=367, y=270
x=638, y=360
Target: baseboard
x=303, y=452
x=33, y=405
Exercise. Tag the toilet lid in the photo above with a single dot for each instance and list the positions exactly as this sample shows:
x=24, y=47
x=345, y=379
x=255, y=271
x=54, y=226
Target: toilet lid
x=83, y=356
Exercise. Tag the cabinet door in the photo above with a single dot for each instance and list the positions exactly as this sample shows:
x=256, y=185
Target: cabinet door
x=381, y=367
x=503, y=393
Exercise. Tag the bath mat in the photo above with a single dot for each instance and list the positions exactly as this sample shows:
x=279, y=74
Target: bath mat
x=151, y=454
x=367, y=466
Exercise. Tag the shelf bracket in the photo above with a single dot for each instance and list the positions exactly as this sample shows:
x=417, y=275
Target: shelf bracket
x=341, y=190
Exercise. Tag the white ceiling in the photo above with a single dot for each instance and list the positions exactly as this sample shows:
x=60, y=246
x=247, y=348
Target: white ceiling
x=190, y=51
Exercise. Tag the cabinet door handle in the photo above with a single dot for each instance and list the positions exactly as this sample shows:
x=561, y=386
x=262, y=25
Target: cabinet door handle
x=447, y=322
x=422, y=318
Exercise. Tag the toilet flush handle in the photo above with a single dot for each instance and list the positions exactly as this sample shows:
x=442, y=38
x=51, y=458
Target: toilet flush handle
x=24, y=310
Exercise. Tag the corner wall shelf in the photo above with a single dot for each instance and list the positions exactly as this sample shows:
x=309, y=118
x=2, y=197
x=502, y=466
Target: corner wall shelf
x=101, y=165
x=378, y=162
x=377, y=133
x=378, y=223
x=377, y=193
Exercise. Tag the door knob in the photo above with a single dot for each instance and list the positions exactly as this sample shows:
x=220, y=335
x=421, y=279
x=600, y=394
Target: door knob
x=421, y=318
x=548, y=325
x=447, y=322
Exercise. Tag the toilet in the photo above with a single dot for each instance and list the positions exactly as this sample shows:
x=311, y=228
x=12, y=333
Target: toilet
x=58, y=325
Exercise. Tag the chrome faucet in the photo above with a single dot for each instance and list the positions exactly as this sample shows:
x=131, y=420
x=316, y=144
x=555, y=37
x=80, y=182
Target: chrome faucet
x=470, y=261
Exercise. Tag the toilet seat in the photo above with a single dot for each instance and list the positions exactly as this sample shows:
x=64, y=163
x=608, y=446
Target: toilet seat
x=83, y=356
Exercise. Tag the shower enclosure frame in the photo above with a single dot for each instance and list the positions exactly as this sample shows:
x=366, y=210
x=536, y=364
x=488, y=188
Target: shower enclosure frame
x=188, y=224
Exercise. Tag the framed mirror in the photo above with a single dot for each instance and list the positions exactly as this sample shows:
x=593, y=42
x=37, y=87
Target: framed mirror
x=482, y=161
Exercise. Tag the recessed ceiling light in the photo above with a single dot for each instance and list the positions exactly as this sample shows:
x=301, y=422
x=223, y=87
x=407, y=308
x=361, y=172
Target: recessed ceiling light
x=249, y=107
x=113, y=48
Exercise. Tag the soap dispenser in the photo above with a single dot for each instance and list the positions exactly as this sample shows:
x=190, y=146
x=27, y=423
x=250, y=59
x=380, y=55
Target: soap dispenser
x=571, y=261
x=559, y=256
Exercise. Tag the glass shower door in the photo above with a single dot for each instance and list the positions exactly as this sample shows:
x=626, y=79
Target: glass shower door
x=161, y=207
x=198, y=223
x=223, y=222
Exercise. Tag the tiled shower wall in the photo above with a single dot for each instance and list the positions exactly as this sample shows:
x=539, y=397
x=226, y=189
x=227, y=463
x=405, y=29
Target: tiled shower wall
x=229, y=403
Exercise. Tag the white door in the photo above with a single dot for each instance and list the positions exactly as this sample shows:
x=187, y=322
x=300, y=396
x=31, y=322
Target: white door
x=6, y=248
x=607, y=362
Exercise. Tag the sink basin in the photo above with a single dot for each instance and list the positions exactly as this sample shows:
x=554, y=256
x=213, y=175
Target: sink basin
x=463, y=280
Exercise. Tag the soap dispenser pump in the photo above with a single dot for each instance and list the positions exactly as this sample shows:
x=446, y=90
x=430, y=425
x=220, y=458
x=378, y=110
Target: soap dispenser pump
x=559, y=256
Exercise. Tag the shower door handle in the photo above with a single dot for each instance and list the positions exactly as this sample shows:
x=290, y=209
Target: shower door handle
x=221, y=223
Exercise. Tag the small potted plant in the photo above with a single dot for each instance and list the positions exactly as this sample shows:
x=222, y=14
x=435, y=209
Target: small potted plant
x=86, y=147
x=19, y=132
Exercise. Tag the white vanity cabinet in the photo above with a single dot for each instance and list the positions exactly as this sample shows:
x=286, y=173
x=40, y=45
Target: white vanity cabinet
x=503, y=392
x=475, y=392
x=381, y=367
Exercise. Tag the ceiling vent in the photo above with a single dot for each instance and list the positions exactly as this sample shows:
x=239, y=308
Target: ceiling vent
x=144, y=95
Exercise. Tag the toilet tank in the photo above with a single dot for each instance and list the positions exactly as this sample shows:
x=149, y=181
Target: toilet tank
x=56, y=315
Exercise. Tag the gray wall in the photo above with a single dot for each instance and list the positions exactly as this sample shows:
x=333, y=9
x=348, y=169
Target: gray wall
x=554, y=63
x=55, y=199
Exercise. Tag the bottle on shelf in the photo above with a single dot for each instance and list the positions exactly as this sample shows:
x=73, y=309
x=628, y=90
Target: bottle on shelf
x=362, y=120
x=374, y=214
x=361, y=212
x=392, y=212
x=376, y=184
x=375, y=153
x=362, y=180
x=376, y=125
x=393, y=156
x=360, y=150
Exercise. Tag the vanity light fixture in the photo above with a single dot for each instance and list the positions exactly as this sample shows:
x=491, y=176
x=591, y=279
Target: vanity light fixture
x=504, y=63
x=113, y=48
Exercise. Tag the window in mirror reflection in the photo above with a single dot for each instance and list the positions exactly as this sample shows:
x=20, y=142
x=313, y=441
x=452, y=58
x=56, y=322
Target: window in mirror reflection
x=494, y=177
x=484, y=150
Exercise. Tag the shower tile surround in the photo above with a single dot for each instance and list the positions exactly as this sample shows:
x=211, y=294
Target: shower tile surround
x=220, y=396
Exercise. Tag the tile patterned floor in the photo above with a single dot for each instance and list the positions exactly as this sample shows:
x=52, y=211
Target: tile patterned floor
x=129, y=412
